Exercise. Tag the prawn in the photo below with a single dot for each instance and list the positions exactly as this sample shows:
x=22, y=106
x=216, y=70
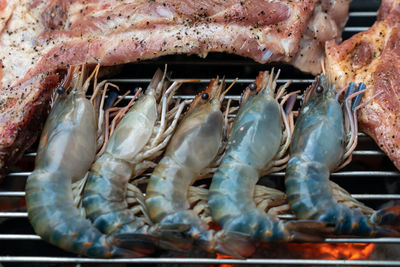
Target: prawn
x=111, y=198
x=323, y=140
x=190, y=155
x=66, y=150
x=258, y=144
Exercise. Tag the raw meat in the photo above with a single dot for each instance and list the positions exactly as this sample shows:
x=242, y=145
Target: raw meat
x=373, y=57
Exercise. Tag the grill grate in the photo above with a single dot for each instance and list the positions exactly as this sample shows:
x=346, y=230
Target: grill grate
x=369, y=163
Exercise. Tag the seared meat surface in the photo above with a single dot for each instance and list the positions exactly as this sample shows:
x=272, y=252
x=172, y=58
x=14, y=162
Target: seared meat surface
x=373, y=57
x=41, y=38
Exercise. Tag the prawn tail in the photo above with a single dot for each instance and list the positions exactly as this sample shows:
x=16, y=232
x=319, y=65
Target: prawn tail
x=387, y=221
x=308, y=230
x=134, y=244
x=174, y=236
x=235, y=244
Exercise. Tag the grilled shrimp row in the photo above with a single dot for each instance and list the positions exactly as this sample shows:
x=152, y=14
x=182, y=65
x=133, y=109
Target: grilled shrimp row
x=109, y=216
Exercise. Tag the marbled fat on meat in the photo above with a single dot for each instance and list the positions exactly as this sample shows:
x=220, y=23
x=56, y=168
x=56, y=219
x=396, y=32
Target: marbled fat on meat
x=40, y=38
x=326, y=23
x=373, y=57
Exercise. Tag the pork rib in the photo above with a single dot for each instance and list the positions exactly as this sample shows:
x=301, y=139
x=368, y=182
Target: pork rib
x=373, y=57
x=41, y=37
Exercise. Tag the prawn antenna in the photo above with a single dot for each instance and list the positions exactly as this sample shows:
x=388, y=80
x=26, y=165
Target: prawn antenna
x=351, y=113
x=323, y=66
x=229, y=87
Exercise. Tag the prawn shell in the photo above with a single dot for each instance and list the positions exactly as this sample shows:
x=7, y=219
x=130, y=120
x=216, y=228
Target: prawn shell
x=66, y=150
x=60, y=141
x=317, y=149
x=257, y=132
x=202, y=134
x=254, y=141
x=104, y=197
x=192, y=148
x=320, y=138
x=135, y=130
x=189, y=155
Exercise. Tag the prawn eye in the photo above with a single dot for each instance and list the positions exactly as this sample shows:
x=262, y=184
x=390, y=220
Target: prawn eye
x=319, y=89
x=205, y=96
x=253, y=86
x=60, y=90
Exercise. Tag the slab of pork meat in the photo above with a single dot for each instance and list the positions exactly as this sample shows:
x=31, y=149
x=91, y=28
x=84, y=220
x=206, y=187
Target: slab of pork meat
x=40, y=38
x=373, y=57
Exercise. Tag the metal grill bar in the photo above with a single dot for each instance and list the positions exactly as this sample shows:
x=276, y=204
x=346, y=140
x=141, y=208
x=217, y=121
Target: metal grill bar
x=354, y=174
x=362, y=14
x=16, y=174
x=391, y=240
x=147, y=80
x=368, y=153
x=355, y=29
x=356, y=196
x=376, y=196
x=281, y=174
x=19, y=237
x=12, y=194
x=202, y=261
x=14, y=214
x=355, y=153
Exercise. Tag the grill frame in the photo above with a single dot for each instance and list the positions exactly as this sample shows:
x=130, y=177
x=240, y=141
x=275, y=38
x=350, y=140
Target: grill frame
x=352, y=28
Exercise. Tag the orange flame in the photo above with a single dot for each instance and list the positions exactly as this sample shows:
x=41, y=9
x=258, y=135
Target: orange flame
x=342, y=251
x=321, y=251
x=222, y=256
x=339, y=251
